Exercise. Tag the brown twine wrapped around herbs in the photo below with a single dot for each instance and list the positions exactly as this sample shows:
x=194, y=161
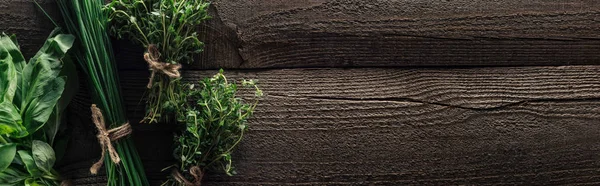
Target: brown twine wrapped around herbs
x=152, y=56
x=195, y=171
x=105, y=137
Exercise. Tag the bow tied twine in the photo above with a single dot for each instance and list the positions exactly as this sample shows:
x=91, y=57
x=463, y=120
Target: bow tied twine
x=195, y=171
x=152, y=56
x=105, y=138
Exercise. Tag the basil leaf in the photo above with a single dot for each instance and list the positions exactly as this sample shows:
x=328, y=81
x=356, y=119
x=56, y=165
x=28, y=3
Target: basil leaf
x=10, y=120
x=11, y=63
x=10, y=45
x=40, y=108
x=43, y=156
x=7, y=154
x=12, y=176
x=29, y=163
x=40, y=86
x=8, y=75
x=51, y=127
x=72, y=83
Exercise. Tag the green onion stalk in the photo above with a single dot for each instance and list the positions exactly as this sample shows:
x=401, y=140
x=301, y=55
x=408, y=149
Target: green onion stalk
x=86, y=20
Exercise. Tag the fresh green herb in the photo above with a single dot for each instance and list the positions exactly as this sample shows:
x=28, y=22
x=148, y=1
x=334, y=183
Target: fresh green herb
x=31, y=103
x=214, y=120
x=170, y=26
x=87, y=21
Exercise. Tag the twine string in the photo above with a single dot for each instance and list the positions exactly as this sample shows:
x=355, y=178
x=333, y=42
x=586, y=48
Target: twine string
x=105, y=138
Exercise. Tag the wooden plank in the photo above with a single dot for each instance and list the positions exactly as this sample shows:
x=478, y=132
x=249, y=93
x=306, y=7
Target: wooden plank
x=350, y=33
x=520, y=125
x=24, y=18
x=470, y=88
x=356, y=33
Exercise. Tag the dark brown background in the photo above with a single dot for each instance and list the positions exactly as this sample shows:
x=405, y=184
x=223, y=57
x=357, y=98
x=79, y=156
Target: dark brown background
x=381, y=92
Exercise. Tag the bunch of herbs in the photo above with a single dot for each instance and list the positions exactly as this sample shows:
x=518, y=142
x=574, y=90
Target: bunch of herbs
x=87, y=21
x=171, y=27
x=214, y=120
x=33, y=96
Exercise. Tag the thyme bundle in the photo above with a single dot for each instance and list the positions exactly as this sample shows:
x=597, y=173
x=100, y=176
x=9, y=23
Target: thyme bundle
x=212, y=117
x=214, y=120
x=167, y=29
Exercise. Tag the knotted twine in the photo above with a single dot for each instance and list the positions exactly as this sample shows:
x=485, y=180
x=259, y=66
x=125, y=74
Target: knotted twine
x=152, y=56
x=195, y=171
x=105, y=137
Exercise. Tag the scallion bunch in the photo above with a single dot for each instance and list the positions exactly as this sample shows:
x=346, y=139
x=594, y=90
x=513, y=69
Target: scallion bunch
x=86, y=20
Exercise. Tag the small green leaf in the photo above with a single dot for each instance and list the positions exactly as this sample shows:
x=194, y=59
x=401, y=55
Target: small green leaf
x=43, y=155
x=29, y=163
x=7, y=154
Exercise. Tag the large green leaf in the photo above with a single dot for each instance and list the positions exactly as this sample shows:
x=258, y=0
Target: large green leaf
x=8, y=73
x=11, y=56
x=7, y=154
x=29, y=163
x=72, y=83
x=10, y=120
x=43, y=156
x=51, y=128
x=40, y=85
x=10, y=45
x=43, y=67
x=40, y=108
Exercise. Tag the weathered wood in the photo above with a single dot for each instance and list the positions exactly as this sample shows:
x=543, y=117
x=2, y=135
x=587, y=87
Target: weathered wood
x=469, y=88
x=522, y=125
x=349, y=33
x=357, y=33
x=26, y=20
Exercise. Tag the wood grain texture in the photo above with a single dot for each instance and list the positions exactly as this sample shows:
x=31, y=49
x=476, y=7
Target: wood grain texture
x=24, y=18
x=521, y=125
x=381, y=126
x=357, y=33
x=351, y=33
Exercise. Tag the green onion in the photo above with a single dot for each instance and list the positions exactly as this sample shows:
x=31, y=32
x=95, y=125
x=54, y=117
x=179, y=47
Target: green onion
x=86, y=20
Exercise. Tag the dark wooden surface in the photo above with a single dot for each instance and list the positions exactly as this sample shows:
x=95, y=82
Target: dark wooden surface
x=24, y=19
x=358, y=33
x=431, y=92
x=508, y=125
x=517, y=125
